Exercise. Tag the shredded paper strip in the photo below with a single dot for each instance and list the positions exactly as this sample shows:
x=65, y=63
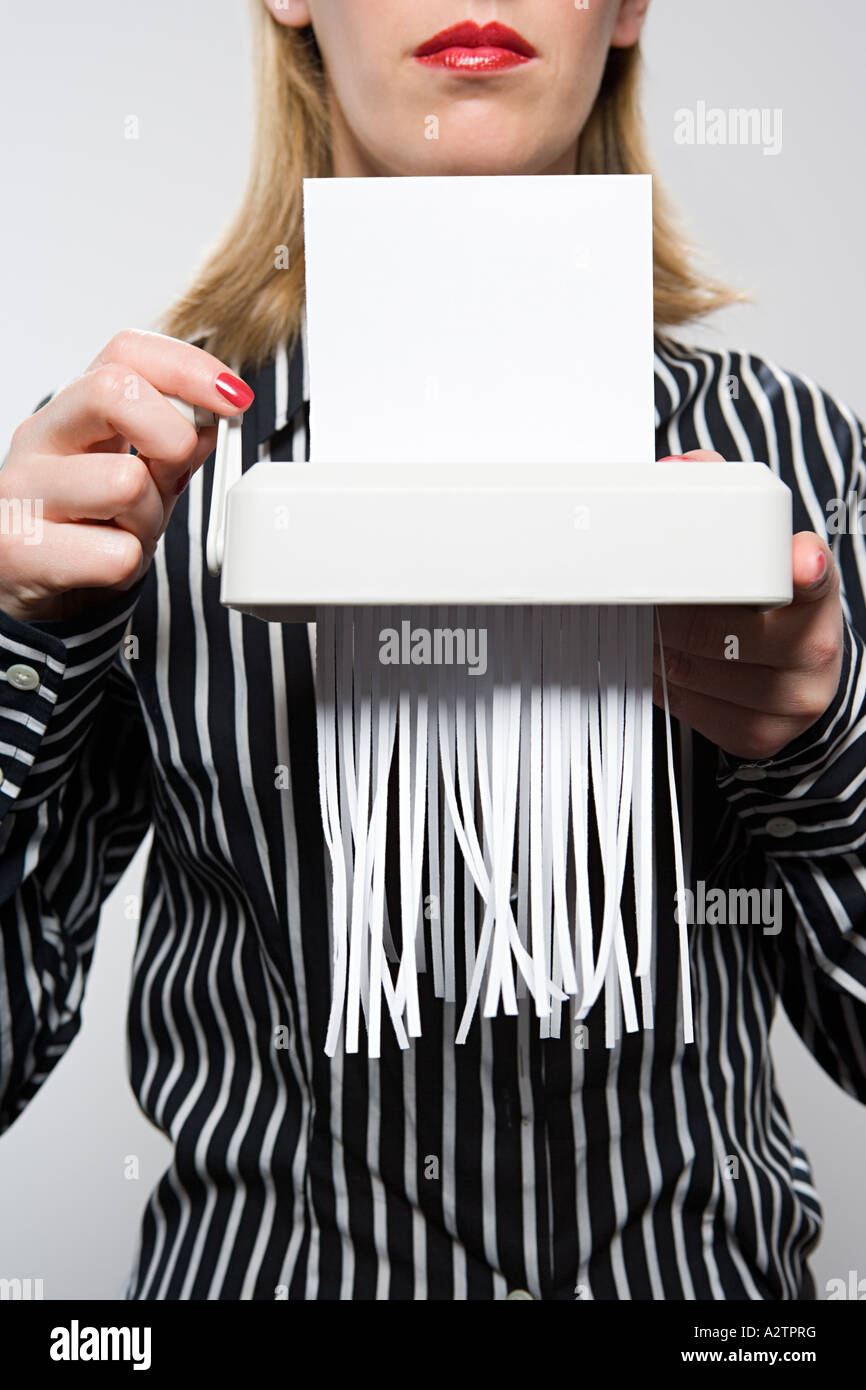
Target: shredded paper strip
x=501, y=776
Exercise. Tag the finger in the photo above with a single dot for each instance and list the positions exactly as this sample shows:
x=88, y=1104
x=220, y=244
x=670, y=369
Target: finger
x=719, y=632
x=112, y=401
x=77, y=556
x=815, y=573
x=166, y=364
x=798, y=635
x=99, y=487
x=795, y=694
x=178, y=369
x=742, y=733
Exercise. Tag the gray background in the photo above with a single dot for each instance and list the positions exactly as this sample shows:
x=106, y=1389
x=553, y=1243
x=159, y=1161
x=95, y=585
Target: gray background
x=100, y=232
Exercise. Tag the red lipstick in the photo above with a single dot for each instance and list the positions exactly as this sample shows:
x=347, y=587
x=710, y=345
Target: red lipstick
x=468, y=48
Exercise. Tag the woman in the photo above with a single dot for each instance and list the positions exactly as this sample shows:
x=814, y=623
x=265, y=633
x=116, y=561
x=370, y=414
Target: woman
x=511, y=1166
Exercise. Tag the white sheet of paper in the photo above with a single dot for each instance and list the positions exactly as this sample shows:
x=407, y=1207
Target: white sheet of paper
x=487, y=319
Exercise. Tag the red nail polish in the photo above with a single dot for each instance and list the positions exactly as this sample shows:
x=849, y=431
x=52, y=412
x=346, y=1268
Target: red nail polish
x=235, y=391
x=668, y=457
x=182, y=482
x=822, y=565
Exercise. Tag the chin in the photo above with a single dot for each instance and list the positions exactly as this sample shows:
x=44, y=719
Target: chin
x=479, y=161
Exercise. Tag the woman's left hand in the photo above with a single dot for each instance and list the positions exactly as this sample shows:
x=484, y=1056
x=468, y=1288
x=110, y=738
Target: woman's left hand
x=752, y=682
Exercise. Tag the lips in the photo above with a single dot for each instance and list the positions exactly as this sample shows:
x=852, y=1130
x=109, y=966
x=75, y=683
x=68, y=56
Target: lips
x=471, y=48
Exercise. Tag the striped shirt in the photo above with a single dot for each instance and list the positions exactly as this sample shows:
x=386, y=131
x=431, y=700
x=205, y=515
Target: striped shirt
x=558, y=1166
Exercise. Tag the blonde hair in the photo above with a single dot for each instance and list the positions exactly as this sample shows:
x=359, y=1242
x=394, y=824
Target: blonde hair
x=248, y=295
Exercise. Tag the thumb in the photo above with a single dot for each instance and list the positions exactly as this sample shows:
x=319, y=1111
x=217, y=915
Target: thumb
x=701, y=455
x=815, y=573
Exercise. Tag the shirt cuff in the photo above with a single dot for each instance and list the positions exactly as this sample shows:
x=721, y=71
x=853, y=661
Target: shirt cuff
x=784, y=798
x=51, y=673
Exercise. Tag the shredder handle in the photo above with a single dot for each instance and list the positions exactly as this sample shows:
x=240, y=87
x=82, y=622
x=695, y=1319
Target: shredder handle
x=227, y=466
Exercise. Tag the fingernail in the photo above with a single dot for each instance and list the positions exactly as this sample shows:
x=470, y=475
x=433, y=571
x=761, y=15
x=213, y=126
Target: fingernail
x=667, y=458
x=182, y=482
x=234, y=390
x=822, y=567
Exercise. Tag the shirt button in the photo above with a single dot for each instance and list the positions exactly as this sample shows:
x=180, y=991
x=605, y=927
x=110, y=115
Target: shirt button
x=751, y=774
x=22, y=677
x=780, y=827
x=520, y=1293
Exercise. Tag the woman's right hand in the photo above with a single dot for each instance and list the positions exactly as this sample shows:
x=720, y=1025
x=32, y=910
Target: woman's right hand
x=103, y=509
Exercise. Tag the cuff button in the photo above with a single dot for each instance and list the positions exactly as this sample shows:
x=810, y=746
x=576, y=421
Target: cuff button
x=22, y=677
